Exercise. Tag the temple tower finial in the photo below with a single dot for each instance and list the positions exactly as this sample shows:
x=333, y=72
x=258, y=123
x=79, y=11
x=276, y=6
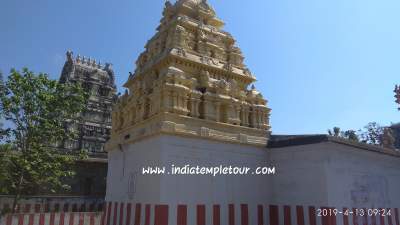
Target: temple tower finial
x=70, y=56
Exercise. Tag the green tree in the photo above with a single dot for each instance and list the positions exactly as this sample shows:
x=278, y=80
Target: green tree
x=5, y=152
x=348, y=134
x=2, y=131
x=336, y=132
x=351, y=135
x=372, y=134
x=37, y=109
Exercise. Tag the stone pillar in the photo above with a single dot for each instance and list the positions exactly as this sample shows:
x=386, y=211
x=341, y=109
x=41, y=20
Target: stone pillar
x=174, y=96
x=245, y=116
x=252, y=117
x=180, y=102
x=209, y=108
x=166, y=101
x=261, y=115
x=267, y=116
x=233, y=114
x=217, y=106
x=236, y=111
x=229, y=113
x=262, y=122
x=262, y=119
x=257, y=117
x=194, y=107
x=194, y=104
x=186, y=102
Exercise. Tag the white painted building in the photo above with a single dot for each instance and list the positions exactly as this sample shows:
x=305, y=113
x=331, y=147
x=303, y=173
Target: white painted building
x=334, y=172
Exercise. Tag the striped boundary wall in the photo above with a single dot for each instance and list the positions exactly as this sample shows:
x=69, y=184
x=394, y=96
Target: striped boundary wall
x=146, y=214
x=55, y=207
x=69, y=218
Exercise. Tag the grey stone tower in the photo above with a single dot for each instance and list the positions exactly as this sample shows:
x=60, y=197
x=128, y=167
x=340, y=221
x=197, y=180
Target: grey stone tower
x=95, y=123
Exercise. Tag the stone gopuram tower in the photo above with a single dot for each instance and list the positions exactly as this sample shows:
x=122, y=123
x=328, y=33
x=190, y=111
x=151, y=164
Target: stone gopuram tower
x=98, y=80
x=94, y=126
x=189, y=102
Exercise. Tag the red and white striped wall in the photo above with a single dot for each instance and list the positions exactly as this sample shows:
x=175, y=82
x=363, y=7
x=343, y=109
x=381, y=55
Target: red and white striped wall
x=52, y=219
x=55, y=207
x=117, y=213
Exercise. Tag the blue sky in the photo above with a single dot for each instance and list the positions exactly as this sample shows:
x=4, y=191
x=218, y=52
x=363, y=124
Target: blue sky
x=320, y=63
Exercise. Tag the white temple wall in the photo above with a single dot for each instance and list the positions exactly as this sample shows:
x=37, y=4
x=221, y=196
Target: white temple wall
x=167, y=150
x=336, y=175
x=124, y=167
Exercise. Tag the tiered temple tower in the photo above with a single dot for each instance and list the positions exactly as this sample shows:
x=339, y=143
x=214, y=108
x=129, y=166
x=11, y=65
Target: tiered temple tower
x=94, y=128
x=191, y=80
x=188, y=103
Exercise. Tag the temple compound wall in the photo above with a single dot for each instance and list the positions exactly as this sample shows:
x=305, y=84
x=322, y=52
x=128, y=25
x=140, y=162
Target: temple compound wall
x=334, y=172
x=127, y=183
x=313, y=173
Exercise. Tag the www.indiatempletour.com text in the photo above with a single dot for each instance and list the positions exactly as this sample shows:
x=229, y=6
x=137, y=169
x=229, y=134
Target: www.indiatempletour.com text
x=210, y=171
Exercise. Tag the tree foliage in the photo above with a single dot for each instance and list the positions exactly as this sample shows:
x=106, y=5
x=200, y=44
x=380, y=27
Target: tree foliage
x=351, y=135
x=372, y=134
x=36, y=108
x=335, y=132
x=348, y=134
x=5, y=175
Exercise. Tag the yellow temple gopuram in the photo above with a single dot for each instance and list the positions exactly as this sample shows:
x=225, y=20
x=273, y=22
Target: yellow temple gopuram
x=191, y=80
